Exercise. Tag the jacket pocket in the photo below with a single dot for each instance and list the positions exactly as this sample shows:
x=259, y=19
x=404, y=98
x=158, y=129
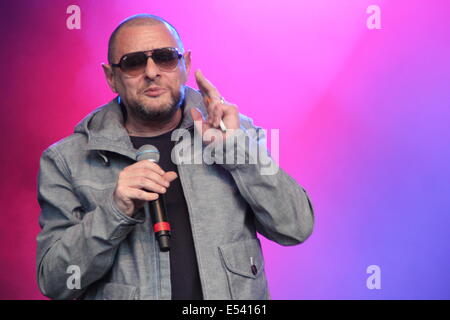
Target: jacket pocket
x=117, y=291
x=244, y=266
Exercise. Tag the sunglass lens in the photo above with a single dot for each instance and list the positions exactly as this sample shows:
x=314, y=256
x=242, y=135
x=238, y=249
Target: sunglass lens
x=134, y=63
x=166, y=58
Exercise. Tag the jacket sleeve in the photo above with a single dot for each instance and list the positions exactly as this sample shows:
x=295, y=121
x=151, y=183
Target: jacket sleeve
x=282, y=208
x=73, y=244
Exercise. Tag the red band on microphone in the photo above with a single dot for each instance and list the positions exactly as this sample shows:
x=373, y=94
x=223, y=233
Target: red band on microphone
x=161, y=226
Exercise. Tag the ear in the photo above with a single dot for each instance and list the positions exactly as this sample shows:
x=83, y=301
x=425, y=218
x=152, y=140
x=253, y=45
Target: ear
x=187, y=61
x=109, y=75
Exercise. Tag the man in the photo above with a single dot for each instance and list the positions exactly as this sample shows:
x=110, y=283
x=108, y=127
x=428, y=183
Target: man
x=97, y=240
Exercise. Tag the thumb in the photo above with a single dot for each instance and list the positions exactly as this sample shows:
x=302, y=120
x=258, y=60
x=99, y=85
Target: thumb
x=196, y=114
x=170, y=176
x=198, y=118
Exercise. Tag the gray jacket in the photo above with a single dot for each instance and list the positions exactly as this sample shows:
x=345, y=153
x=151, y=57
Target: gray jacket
x=116, y=257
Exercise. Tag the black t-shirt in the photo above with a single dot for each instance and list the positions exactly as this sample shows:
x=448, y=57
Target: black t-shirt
x=184, y=274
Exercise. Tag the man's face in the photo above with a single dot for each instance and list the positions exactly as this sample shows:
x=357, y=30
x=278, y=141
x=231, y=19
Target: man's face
x=154, y=95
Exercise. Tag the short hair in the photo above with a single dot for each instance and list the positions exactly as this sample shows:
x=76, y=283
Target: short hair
x=138, y=20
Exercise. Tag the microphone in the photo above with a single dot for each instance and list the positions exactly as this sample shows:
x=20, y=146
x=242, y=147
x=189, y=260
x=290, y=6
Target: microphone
x=156, y=208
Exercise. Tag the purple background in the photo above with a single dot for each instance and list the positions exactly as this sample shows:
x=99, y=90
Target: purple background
x=363, y=116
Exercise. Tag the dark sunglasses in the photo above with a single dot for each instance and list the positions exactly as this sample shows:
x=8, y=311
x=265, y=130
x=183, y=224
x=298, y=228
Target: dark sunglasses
x=134, y=63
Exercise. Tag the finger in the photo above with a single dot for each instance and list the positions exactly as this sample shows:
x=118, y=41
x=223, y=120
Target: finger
x=144, y=183
x=210, y=106
x=151, y=175
x=218, y=114
x=132, y=193
x=211, y=99
x=201, y=125
x=199, y=122
x=196, y=115
x=205, y=86
x=170, y=176
x=198, y=118
x=207, y=100
x=215, y=113
x=146, y=164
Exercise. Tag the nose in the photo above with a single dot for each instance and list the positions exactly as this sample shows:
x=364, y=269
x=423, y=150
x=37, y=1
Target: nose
x=151, y=69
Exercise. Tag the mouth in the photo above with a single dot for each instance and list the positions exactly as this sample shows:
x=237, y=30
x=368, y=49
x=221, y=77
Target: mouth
x=154, y=91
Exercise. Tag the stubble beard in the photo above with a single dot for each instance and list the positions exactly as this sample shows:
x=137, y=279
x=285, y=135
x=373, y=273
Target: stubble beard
x=164, y=113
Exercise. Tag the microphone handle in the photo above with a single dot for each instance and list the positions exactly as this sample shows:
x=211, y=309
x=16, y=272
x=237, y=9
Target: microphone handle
x=161, y=227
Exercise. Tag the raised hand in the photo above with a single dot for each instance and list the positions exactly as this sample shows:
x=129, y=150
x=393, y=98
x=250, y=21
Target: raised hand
x=216, y=107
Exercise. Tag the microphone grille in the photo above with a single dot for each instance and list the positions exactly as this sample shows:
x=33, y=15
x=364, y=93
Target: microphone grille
x=148, y=152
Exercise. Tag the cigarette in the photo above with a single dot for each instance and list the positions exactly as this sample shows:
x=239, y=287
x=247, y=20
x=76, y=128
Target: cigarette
x=222, y=126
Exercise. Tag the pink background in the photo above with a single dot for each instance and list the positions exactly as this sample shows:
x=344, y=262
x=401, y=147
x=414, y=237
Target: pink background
x=363, y=116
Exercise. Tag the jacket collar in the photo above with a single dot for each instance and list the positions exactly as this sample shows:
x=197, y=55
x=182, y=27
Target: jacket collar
x=104, y=127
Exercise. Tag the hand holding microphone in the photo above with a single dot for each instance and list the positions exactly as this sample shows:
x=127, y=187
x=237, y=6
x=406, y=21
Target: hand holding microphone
x=156, y=208
x=139, y=183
